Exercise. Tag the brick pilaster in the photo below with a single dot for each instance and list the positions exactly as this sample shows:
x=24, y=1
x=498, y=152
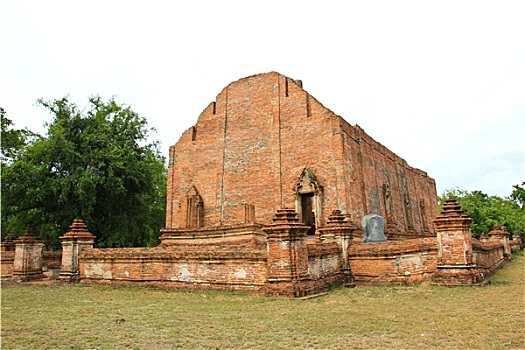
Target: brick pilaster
x=73, y=242
x=28, y=263
x=338, y=229
x=287, y=254
x=455, y=258
x=499, y=233
x=8, y=244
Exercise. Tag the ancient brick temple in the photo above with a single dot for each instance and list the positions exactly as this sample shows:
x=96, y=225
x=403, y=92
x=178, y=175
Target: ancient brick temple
x=266, y=193
x=266, y=144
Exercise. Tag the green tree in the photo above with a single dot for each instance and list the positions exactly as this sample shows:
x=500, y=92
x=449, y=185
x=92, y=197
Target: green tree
x=95, y=165
x=518, y=194
x=486, y=211
x=13, y=141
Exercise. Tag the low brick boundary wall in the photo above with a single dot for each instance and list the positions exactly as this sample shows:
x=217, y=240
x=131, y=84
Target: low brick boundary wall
x=516, y=244
x=7, y=260
x=324, y=260
x=277, y=259
x=397, y=262
x=193, y=267
x=52, y=261
x=488, y=256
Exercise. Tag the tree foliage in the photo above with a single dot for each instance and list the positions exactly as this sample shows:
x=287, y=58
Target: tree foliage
x=95, y=165
x=487, y=211
x=13, y=140
x=518, y=195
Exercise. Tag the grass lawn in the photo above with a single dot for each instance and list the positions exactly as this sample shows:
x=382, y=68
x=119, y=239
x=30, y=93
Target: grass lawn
x=64, y=316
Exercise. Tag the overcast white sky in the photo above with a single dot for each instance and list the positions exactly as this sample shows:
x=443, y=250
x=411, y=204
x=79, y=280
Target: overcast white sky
x=441, y=84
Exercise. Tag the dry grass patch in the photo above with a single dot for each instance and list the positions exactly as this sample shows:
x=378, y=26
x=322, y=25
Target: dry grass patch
x=63, y=316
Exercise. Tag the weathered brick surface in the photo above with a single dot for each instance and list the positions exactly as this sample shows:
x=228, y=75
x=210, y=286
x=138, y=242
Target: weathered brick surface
x=52, y=259
x=266, y=193
x=492, y=249
x=453, y=234
x=516, y=244
x=456, y=264
x=450, y=275
x=8, y=244
x=488, y=256
x=73, y=242
x=251, y=145
x=28, y=262
x=324, y=259
x=287, y=255
x=219, y=267
x=409, y=261
x=499, y=234
x=50, y=263
x=246, y=235
x=7, y=259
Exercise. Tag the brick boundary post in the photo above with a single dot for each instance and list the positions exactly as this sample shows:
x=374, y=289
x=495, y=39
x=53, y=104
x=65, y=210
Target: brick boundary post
x=73, y=242
x=499, y=233
x=287, y=255
x=455, y=256
x=29, y=251
x=8, y=244
x=338, y=229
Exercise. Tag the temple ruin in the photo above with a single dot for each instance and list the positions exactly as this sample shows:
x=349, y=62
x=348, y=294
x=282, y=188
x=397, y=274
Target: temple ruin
x=271, y=192
x=266, y=144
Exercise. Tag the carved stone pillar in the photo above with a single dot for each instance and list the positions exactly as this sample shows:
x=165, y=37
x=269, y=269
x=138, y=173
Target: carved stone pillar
x=73, y=242
x=287, y=254
x=28, y=261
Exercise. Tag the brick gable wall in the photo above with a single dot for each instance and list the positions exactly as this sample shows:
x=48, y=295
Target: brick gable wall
x=251, y=145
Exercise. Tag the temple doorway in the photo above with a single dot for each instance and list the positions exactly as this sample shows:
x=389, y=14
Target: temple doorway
x=307, y=212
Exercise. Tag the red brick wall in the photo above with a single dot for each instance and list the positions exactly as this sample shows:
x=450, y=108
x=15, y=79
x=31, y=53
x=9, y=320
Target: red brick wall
x=250, y=235
x=50, y=260
x=211, y=267
x=409, y=261
x=324, y=260
x=372, y=169
x=224, y=160
x=516, y=244
x=252, y=144
x=7, y=259
x=488, y=256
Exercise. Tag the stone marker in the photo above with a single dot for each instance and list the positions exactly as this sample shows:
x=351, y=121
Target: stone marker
x=373, y=228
